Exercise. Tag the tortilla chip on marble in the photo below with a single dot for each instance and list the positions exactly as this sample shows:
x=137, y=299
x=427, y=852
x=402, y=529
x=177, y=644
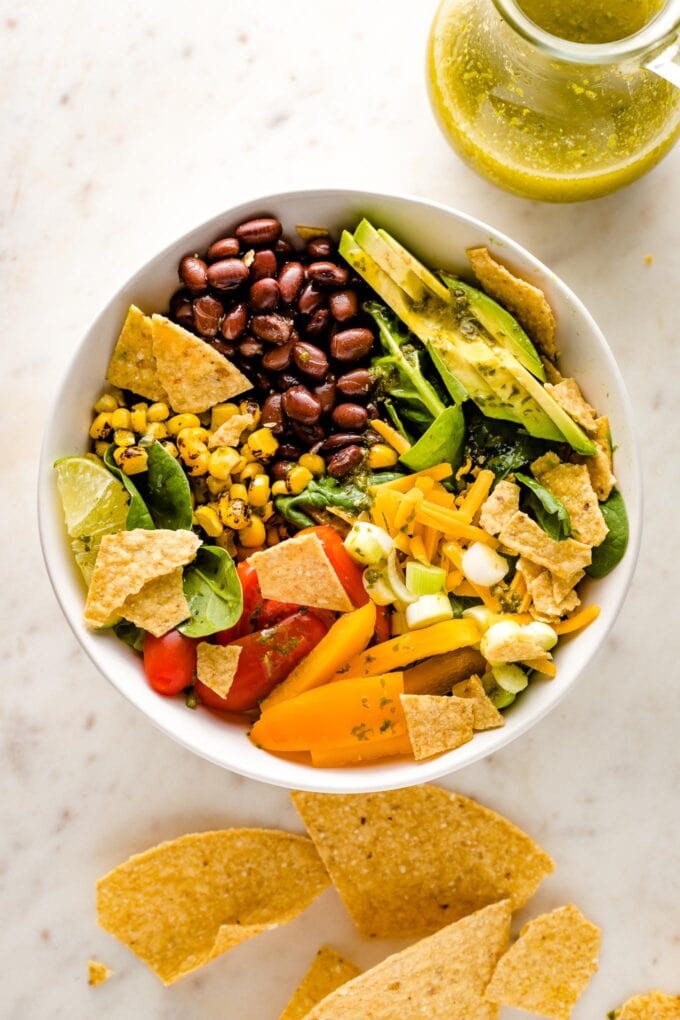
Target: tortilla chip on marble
x=327, y=972
x=654, y=1005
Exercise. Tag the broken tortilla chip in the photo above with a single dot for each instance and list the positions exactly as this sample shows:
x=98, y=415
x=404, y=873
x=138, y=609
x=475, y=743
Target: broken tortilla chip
x=298, y=570
x=568, y=395
x=499, y=508
x=551, y=596
x=229, y=434
x=133, y=365
x=524, y=537
x=97, y=973
x=571, y=484
x=406, y=862
x=436, y=723
x=600, y=465
x=216, y=666
x=328, y=971
x=653, y=1005
x=485, y=715
x=526, y=302
x=128, y=560
x=159, y=606
x=441, y=977
x=549, y=966
x=194, y=374
x=179, y=905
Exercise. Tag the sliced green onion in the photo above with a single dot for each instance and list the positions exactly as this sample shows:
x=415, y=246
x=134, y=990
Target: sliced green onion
x=377, y=588
x=511, y=678
x=396, y=580
x=483, y=565
x=501, y=698
x=428, y=609
x=368, y=544
x=424, y=579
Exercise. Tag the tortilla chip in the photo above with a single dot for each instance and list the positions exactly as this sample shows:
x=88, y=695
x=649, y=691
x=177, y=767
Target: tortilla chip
x=571, y=484
x=441, y=977
x=406, y=862
x=500, y=506
x=216, y=666
x=542, y=465
x=127, y=561
x=568, y=395
x=485, y=715
x=97, y=973
x=552, y=373
x=229, y=434
x=552, y=596
x=523, y=537
x=298, y=570
x=159, y=606
x=195, y=375
x=520, y=297
x=601, y=465
x=328, y=971
x=179, y=905
x=548, y=968
x=436, y=724
x=654, y=1005
x=132, y=365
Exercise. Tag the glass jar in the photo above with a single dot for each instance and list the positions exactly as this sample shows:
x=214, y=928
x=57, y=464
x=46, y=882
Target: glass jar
x=554, y=118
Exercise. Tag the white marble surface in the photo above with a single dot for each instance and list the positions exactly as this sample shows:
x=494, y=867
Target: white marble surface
x=123, y=125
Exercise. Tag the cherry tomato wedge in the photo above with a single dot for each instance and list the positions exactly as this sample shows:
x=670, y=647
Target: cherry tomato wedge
x=169, y=662
x=350, y=574
x=267, y=657
x=258, y=613
x=382, y=624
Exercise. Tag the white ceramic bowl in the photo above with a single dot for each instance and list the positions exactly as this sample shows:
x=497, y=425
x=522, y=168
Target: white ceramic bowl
x=439, y=235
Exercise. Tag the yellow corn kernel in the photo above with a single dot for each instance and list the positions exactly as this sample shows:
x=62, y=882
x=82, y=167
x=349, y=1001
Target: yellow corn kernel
x=118, y=454
x=100, y=447
x=298, y=478
x=181, y=421
x=121, y=419
x=268, y=510
x=258, y=492
x=216, y=486
x=156, y=430
x=107, y=402
x=251, y=470
x=124, y=437
x=134, y=460
x=272, y=536
x=254, y=535
x=226, y=541
x=198, y=465
x=251, y=408
x=279, y=488
x=170, y=448
x=200, y=490
x=195, y=452
x=221, y=413
x=247, y=454
x=159, y=411
x=225, y=461
x=191, y=435
x=207, y=518
x=138, y=422
x=263, y=443
x=234, y=513
x=238, y=491
x=313, y=462
x=381, y=456
x=101, y=427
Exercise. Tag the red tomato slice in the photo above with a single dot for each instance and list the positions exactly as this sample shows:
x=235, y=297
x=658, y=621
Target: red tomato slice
x=169, y=662
x=267, y=657
x=382, y=624
x=258, y=613
x=350, y=574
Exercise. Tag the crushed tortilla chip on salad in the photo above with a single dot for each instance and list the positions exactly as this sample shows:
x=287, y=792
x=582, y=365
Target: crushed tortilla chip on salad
x=159, y=606
x=436, y=724
x=216, y=666
x=300, y=571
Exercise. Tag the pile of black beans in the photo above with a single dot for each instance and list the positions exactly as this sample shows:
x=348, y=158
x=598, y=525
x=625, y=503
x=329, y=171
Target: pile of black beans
x=292, y=322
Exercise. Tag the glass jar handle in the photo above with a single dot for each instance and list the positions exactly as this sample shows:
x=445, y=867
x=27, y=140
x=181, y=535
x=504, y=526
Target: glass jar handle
x=667, y=63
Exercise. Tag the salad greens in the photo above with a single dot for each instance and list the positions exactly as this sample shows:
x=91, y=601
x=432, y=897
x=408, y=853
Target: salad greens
x=550, y=512
x=612, y=550
x=162, y=497
x=442, y=441
x=213, y=591
x=325, y=492
x=500, y=446
x=137, y=516
x=129, y=634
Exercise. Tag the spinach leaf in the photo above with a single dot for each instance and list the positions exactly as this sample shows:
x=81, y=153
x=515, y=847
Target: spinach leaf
x=462, y=602
x=129, y=634
x=213, y=591
x=137, y=516
x=612, y=550
x=442, y=442
x=500, y=446
x=551, y=513
x=165, y=488
x=319, y=495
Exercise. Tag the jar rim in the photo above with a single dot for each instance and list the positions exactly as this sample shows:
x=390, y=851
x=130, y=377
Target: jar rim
x=659, y=31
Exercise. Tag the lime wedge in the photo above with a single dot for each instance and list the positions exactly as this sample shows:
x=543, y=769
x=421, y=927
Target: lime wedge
x=95, y=504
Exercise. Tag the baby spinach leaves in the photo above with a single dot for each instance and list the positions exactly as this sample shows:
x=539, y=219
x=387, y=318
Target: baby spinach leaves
x=137, y=516
x=500, y=446
x=129, y=634
x=213, y=591
x=612, y=550
x=549, y=511
x=160, y=496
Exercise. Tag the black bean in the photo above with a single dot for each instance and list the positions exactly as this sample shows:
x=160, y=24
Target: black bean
x=289, y=450
x=235, y=321
x=225, y=348
x=275, y=329
x=339, y=440
x=278, y=358
x=263, y=230
x=225, y=248
x=352, y=417
x=309, y=434
x=318, y=322
x=310, y=299
x=341, y=463
x=272, y=414
x=227, y=274
x=181, y=309
x=327, y=274
x=264, y=265
x=326, y=393
x=310, y=360
x=193, y=273
x=207, y=314
x=281, y=468
x=291, y=278
x=357, y=383
x=351, y=344
x=250, y=348
x=301, y=405
x=263, y=296
x=319, y=247
x=344, y=304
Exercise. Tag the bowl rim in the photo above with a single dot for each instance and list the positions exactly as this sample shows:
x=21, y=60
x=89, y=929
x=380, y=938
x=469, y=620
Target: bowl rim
x=443, y=765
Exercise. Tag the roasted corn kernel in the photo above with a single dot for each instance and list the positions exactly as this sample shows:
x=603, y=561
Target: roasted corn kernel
x=207, y=518
x=124, y=437
x=226, y=541
x=159, y=411
x=171, y=448
x=192, y=434
x=279, y=488
x=234, y=513
x=258, y=491
x=313, y=462
x=254, y=535
x=238, y=491
x=100, y=447
x=198, y=464
x=118, y=454
x=298, y=478
x=200, y=490
x=133, y=460
x=251, y=469
x=253, y=409
x=221, y=413
x=121, y=419
x=101, y=427
x=263, y=443
x=268, y=510
x=107, y=402
x=381, y=456
x=156, y=430
x=224, y=462
x=181, y=421
x=138, y=419
x=216, y=486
